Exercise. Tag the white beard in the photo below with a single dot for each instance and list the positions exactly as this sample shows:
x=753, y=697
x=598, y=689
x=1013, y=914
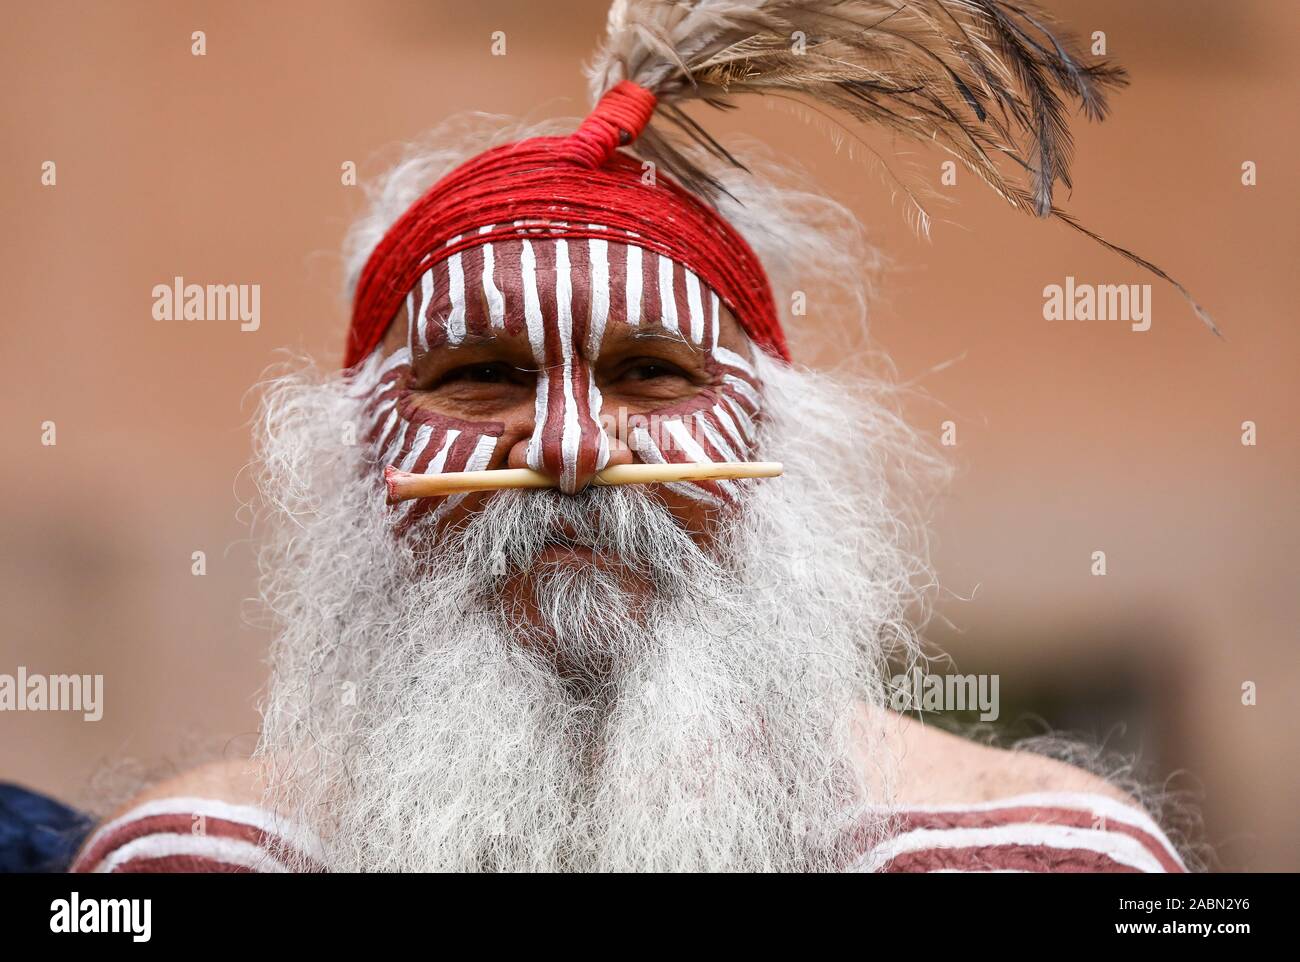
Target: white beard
x=413, y=725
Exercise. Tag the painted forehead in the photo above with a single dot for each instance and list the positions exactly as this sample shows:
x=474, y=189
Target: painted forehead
x=589, y=288
x=562, y=298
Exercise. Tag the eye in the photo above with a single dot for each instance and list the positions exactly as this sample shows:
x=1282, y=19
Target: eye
x=491, y=372
x=650, y=369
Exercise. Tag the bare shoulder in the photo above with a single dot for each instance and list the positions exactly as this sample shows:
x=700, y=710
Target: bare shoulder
x=208, y=819
x=929, y=766
x=239, y=781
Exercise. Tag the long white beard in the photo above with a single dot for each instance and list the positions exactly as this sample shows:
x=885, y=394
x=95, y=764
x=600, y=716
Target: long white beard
x=413, y=724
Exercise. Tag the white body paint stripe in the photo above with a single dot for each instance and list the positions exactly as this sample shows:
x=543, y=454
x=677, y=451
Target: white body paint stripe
x=696, y=306
x=713, y=320
x=571, y=433
x=667, y=298
x=633, y=283
x=537, y=342
x=644, y=445
x=1122, y=848
x=742, y=418
x=399, y=357
x=496, y=302
x=1102, y=806
x=720, y=444
x=373, y=370
x=595, y=400
x=422, y=435
x=232, y=851
x=395, y=446
x=743, y=388
x=426, y=301
x=681, y=436
x=388, y=424
x=479, y=460
x=440, y=459
x=732, y=359
x=258, y=818
x=435, y=466
x=598, y=257
x=412, y=314
x=729, y=426
x=455, y=323
x=598, y=254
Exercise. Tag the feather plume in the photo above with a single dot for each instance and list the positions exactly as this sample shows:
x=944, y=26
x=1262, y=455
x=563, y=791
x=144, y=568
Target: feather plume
x=990, y=82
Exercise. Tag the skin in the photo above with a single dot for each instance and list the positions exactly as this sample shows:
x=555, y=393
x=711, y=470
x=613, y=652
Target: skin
x=638, y=373
x=931, y=767
x=493, y=381
x=641, y=371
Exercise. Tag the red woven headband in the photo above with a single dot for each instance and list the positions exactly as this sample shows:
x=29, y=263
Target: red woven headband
x=569, y=184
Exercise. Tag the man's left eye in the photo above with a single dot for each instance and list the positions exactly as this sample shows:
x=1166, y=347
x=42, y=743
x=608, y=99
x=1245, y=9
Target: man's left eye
x=648, y=369
x=492, y=373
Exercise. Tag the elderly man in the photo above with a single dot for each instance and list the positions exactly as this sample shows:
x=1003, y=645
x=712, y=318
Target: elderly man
x=676, y=676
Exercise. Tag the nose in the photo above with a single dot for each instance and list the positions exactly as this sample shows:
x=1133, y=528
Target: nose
x=568, y=442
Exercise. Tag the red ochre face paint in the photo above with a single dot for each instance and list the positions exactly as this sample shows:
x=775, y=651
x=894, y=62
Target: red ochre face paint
x=563, y=296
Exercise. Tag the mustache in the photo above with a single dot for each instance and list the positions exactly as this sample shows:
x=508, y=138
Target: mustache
x=627, y=526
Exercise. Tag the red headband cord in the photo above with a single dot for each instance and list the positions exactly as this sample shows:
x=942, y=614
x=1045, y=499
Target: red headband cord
x=562, y=186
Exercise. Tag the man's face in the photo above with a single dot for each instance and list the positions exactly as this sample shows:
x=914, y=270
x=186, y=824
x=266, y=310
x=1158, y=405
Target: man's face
x=566, y=357
x=680, y=703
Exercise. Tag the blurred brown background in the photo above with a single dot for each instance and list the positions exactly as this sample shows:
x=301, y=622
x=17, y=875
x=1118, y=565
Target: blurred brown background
x=1072, y=437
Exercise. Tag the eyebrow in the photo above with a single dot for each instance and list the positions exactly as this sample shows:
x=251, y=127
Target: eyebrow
x=475, y=339
x=641, y=335
x=613, y=334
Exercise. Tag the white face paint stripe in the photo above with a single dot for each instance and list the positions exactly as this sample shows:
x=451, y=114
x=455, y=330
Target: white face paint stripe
x=479, y=460
x=412, y=315
x=401, y=356
x=598, y=254
x=388, y=424
x=644, y=446
x=496, y=302
x=436, y=465
x=684, y=442
x=532, y=302
x=571, y=434
x=456, y=291
x=744, y=389
x=728, y=425
x=366, y=377
x=367, y=382
x=395, y=446
x=422, y=435
x=537, y=342
x=440, y=459
x=681, y=436
x=742, y=418
x=426, y=299
x=534, y=453
x=713, y=320
x=633, y=275
x=598, y=258
x=391, y=436
x=718, y=442
x=732, y=359
x=667, y=296
x=483, y=451
x=695, y=305
x=594, y=401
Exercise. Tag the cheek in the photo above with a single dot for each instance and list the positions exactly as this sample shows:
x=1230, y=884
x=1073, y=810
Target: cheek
x=420, y=441
x=718, y=424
